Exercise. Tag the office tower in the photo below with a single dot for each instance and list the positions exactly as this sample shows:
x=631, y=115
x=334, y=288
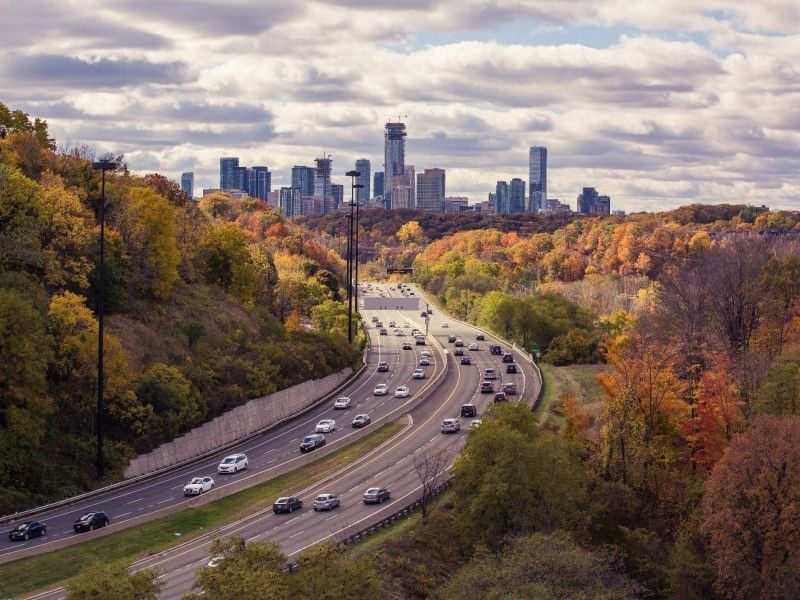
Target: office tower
x=303, y=179
x=603, y=205
x=377, y=184
x=591, y=203
x=337, y=193
x=430, y=189
x=537, y=178
x=411, y=181
x=290, y=202
x=227, y=172
x=274, y=199
x=363, y=167
x=401, y=193
x=452, y=204
x=516, y=196
x=501, y=204
x=322, y=183
x=241, y=179
x=394, y=153
x=187, y=184
x=260, y=182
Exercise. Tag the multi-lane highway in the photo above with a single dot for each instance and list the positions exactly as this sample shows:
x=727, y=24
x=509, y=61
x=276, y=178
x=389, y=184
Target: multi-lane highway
x=391, y=465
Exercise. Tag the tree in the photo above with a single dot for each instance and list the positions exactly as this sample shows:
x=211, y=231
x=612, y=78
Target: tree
x=228, y=262
x=330, y=316
x=167, y=188
x=324, y=572
x=750, y=512
x=410, y=232
x=114, y=582
x=174, y=400
x=430, y=467
x=116, y=266
x=779, y=393
x=20, y=244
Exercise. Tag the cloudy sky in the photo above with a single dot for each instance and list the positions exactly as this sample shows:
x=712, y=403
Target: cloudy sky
x=655, y=103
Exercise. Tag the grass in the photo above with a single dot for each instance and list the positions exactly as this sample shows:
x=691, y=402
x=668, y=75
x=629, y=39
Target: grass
x=578, y=380
x=28, y=575
x=370, y=542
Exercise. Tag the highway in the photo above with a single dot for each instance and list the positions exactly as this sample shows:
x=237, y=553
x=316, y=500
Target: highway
x=390, y=465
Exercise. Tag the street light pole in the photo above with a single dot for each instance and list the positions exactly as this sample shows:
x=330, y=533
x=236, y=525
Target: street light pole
x=352, y=175
x=101, y=465
x=357, y=186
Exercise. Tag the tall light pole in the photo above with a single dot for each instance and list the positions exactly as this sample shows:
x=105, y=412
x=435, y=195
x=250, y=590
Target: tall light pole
x=101, y=464
x=357, y=186
x=352, y=175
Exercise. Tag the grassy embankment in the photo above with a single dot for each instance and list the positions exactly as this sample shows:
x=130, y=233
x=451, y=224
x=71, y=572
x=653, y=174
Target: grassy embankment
x=578, y=380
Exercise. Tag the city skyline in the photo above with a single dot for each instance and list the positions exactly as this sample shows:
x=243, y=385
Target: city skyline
x=656, y=106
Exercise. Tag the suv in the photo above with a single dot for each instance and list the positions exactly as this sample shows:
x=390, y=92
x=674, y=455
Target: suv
x=510, y=388
x=490, y=374
x=468, y=410
x=406, y=345
x=508, y=357
x=451, y=425
x=384, y=332
x=479, y=337
x=511, y=368
x=495, y=349
x=383, y=367
x=326, y=502
x=451, y=339
x=459, y=343
x=420, y=340
x=487, y=387
x=287, y=504
x=458, y=352
x=312, y=442
x=418, y=374
x=466, y=360
x=424, y=361
x=361, y=421
x=90, y=521
x=500, y=397
x=233, y=464
x=375, y=495
x=25, y=531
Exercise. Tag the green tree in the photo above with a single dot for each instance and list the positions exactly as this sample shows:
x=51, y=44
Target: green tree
x=172, y=397
x=330, y=316
x=20, y=244
x=779, y=393
x=228, y=262
x=116, y=265
x=325, y=573
x=114, y=582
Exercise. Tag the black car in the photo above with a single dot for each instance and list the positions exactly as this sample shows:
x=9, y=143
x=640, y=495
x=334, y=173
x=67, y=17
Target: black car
x=287, y=504
x=479, y=337
x=383, y=367
x=312, y=442
x=458, y=352
x=511, y=368
x=25, y=531
x=384, y=332
x=466, y=360
x=487, y=387
x=459, y=343
x=430, y=312
x=495, y=349
x=451, y=339
x=90, y=521
x=361, y=421
x=508, y=357
x=468, y=410
x=500, y=397
x=423, y=314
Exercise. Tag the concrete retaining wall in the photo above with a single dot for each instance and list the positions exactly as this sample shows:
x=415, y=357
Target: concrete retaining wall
x=235, y=424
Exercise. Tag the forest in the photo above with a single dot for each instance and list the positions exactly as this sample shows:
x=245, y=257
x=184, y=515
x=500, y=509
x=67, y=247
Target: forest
x=207, y=305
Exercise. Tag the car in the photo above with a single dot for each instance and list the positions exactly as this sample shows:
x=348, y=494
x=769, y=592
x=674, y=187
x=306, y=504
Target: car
x=508, y=357
x=495, y=349
x=415, y=332
x=425, y=352
x=407, y=346
x=511, y=368
x=375, y=318
x=361, y=421
x=487, y=387
x=458, y=352
x=445, y=326
x=27, y=530
x=489, y=373
x=468, y=410
x=325, y=426
x=286, y=504
x=500, y=397
x=474, y=423
x=510, y=388
x=384, y=332
x=216, y=561
x=424, y=361
x=411, y=294
x=480, y=337
x=326, y=502
x=459, y=343
x=406, y=325
x=90, y=521
x=451, y=425
x=233, y=464
x=312, y=442
x=198, y=485
x=342, y=403
x=430, y=312
x=380, y=390
x=391, y=324
x=383, y=367
x=473, y=346
x=376, y=495
x=418, y=374
x=398, y=332
x=402, y=392
x=379, y=323
x=466, y=360
x=420, y=341
x=423, y=314
x=451, y=339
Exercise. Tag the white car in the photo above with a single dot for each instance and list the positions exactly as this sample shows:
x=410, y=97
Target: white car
x=326, y=502
x=474, y=423
x=402, y=392
x=424, y=361
x=451, y=425
x=445, y=326
x=216, y=561
x=418, y=374
x=425, y=352
x=233, y=464
x=342, y=403
x=325, y=426
x=198, y=485
x=473, y=346
x=381, y=389
x=398, y=332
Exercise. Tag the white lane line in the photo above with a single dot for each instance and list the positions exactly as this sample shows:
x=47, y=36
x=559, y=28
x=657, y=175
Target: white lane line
x=137, y=500
x=294, y=535
x=124, y=514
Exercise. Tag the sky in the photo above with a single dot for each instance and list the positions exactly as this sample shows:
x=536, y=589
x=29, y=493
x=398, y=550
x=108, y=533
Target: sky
x=656, y=104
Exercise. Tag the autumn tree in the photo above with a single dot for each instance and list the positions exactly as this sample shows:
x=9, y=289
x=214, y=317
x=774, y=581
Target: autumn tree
x=228, y=262
x=174, y=400
x=410, y=232
x=114, y=581
x=430, y=467
x=750, y=508
x=779, y=393
x=20, y=245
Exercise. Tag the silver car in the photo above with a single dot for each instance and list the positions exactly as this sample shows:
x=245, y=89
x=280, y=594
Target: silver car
x=326, y=502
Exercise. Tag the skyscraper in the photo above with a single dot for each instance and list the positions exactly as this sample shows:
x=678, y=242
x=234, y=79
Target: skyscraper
x=430, y=189
x=501, y=198
x=401, y=193
x=241, y=179
x=260, y=182
x=394, y=152
x=537, y=178
x=377, y=184
x=591, y=203
x=337, y=193
x=516, y=196
x=227, y=172
x=322, y=183
x=187, y=184
x=411, y=181
x=363, y=167
x=303, y=179
x=290, y=202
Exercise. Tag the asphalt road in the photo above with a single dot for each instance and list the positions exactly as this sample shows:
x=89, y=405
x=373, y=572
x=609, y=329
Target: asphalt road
x=391, y=465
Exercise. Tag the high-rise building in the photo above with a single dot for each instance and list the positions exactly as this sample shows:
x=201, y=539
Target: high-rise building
x=303, y=179
x=537, y=178
x=411, y=181
x=187, y=184
x=394, y=152
x=516, y=196
x=337, y=192
x=363, y=167
x=377, y=184
x=430, y=189
x=260, y=182
x=591, y=203
x=227, y=172
x=451, y=204
x=290, y=202
x=322, y=183
x=401, y=193
x=241, y=179
x=501, y=200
